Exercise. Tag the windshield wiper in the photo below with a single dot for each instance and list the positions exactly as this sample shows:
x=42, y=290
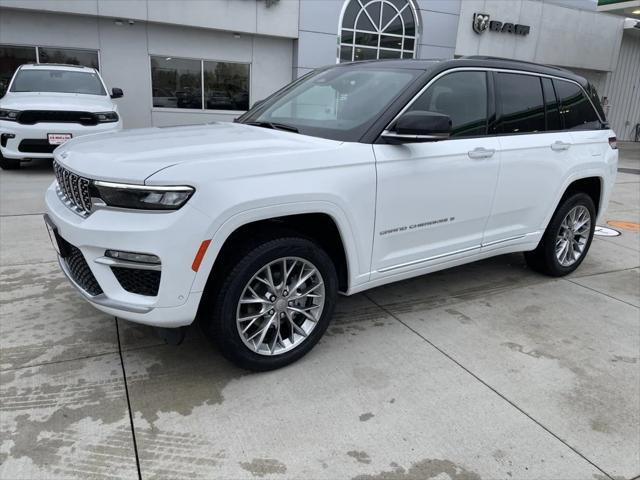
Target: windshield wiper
x=275, y=126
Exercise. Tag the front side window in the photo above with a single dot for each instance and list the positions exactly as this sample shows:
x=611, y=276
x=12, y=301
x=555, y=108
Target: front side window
x=463, y=97
x=373, y=29
x=521, y=102
x=576, y=111
x=339, y=103
x=57, y=81
x=199, y=84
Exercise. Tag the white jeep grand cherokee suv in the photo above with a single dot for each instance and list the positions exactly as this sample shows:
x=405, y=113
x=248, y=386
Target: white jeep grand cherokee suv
x=352, y=177
x=45, y=105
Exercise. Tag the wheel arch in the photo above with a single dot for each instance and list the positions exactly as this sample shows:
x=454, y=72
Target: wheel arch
x=591, y=183
x=322, y=222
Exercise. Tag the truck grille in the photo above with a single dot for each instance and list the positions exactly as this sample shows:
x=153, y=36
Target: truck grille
x=36, y=146
x=73, y=189
x=31, y=117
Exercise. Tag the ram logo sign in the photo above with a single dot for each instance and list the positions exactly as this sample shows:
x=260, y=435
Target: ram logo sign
x=482, y=22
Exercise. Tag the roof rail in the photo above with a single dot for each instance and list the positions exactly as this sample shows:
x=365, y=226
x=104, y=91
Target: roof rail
x=56, y=65
x=523, y=62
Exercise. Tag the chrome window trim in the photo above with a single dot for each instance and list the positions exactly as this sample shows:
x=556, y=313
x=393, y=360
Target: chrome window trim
x=488, y=69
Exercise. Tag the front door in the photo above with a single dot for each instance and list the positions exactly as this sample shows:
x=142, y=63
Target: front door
x=434, y=198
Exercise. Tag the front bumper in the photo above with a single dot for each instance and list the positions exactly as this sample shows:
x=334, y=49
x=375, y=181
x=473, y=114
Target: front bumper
x=174, y=237
x=10, y=147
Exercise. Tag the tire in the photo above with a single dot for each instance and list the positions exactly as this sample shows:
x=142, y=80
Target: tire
x=9, y=163
x=219, y=319
x=545, y=259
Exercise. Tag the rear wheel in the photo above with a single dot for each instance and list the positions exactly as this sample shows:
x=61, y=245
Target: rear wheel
x=567, y=239
x=274, y=304
x=9, y=163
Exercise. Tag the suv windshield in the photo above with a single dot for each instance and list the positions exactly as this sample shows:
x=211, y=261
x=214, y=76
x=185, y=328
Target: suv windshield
x=58, y=81
x=340, y=103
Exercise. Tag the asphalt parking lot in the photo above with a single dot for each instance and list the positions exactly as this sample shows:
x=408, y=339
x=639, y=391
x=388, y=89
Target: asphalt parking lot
x=485, y=371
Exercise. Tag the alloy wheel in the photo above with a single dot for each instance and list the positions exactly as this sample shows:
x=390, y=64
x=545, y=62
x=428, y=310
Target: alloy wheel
x=280, y=306
x=573, y=235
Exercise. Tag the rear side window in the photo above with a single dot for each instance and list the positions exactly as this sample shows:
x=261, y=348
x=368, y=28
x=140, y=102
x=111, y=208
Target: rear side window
x=463, y=97
x=576, y=111
x=551, y=106
x=521, y=103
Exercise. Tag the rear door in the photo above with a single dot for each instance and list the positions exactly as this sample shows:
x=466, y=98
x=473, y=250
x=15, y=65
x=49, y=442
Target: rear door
x=535, y=154
x=434, y=198
x=590, y=141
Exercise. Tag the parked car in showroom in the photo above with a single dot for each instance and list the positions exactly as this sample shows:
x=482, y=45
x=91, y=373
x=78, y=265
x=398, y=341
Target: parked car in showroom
x=45, y=105
x=352, y=177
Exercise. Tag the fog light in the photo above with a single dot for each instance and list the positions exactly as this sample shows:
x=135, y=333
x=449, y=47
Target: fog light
x=4, y=137
x=133, y=257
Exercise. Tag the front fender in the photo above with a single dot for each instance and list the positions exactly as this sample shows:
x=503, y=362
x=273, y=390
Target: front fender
x=219, y=232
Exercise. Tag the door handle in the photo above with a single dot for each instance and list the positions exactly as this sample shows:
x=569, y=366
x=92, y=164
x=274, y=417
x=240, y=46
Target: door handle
x=481, y=152
x=559, y=146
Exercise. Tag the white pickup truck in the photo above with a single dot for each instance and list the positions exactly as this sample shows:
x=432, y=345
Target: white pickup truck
x=353, y=176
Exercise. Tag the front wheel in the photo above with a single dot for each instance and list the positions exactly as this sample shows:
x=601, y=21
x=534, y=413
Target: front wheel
x=9, y=163
x=567, y=239
x=274, y=304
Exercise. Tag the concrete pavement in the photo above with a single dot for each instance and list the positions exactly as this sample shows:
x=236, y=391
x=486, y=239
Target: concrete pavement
x=484, y=371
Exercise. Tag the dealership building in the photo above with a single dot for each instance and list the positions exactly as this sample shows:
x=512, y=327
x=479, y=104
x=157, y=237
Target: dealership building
x=193, y=61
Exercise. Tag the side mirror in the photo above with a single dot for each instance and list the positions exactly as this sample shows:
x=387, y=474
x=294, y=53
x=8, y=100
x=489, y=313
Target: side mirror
x=117, y=93
x=419, y=126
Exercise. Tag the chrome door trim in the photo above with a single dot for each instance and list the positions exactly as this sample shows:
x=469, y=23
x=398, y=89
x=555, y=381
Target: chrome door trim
x=489, y=69
x=428, y=259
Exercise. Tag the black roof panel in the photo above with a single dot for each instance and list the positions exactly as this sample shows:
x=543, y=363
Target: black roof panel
x=472, y=61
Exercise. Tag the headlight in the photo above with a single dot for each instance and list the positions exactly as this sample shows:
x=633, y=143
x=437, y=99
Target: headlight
x=10, y=115
x=141, y=197
x=107, y=117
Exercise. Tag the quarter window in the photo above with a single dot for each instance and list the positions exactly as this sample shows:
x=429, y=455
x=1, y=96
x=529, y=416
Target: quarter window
x=372, y=29
x=463, y=97
x=199, y=84
x=576, y=111
x=522, y=103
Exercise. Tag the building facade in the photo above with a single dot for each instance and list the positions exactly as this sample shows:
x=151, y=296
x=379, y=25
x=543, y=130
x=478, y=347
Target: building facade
x=193, y=61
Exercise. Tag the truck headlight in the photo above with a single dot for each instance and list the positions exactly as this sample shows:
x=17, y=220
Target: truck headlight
x=142, y=197
x=107, y=117
x=9, y=115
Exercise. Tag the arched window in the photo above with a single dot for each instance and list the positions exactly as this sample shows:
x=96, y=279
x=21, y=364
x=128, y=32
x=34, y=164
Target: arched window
x=372, y=29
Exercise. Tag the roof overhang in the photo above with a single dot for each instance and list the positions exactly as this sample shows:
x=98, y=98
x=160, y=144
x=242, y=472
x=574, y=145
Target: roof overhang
x=624, y=8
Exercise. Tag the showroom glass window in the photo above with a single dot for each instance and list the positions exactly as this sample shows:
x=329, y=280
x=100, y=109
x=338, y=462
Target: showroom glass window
x=12, y=56
x=521, y=103
x=199, y=84
x=68, y=56
x=10, y=59
x=463, y=97
x=372, y=29
x=576, y=110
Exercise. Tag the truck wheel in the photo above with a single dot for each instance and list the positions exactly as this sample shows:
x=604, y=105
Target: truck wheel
x=567, y=239
x=9, y=163
x=274, y=304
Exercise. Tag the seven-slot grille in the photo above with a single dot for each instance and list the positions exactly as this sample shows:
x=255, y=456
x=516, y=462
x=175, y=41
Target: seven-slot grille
x=31, y=117
x=73, y=189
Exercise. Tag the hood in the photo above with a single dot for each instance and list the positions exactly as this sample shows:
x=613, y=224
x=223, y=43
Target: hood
x=134, y=155
x=56, y=101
